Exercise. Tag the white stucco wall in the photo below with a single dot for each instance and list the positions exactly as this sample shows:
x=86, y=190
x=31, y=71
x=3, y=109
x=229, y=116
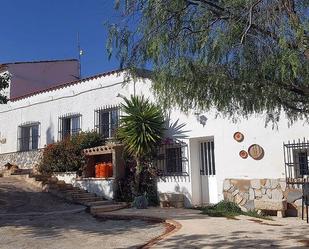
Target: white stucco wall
x=67, y=177
x=104, y=188
x=47, y=107
x=177, y=184
x=101, y=187
x=228, y=162
x=89, y=95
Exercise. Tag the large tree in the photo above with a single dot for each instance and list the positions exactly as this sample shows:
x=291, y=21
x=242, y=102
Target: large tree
x=238, y=56
x=4, y=83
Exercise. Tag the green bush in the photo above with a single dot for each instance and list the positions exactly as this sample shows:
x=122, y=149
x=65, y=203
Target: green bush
x=66, y=155
x=85, y=140
x=230, y=210
x=222, y=209
x=147, y=185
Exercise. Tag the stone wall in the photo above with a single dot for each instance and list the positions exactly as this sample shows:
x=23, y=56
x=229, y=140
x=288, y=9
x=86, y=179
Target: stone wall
x=245, y=191
x=23, y=160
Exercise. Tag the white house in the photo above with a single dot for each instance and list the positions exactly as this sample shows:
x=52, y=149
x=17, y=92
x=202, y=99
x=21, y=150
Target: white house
x=198, y=168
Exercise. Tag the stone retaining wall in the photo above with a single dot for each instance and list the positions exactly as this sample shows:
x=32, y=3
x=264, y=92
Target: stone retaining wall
x=245, y=191
x=24, y=160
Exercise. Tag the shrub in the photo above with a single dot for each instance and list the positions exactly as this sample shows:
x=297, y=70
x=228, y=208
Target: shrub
x=87, y=140
x=222, y=209
x=147, y=184
x=230, y=210
x=66, y=155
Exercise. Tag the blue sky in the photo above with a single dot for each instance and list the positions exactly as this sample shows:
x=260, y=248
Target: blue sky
x=47, y=29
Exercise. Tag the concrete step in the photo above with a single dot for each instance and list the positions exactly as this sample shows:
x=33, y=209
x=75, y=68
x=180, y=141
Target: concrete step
x=73, y=191
x=77, y=195
x=99, y=203
x=65, y=186
x=83, y=202
x=77, y=188
x=97, y=210
x=88, y=198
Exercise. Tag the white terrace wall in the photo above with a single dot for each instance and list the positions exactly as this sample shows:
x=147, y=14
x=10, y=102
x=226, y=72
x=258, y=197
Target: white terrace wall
x=85, y=97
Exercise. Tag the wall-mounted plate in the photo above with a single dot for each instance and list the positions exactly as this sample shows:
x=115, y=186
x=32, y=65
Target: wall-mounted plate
x=243, y=154
x=238, y=136
x=256, y=152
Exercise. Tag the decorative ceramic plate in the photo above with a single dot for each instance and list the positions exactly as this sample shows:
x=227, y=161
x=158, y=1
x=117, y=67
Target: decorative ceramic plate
x=256, y=152
x=238, y=136
x=243, y=154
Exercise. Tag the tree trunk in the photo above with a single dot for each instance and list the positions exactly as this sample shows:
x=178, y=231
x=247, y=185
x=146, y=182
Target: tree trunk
x=138, y=176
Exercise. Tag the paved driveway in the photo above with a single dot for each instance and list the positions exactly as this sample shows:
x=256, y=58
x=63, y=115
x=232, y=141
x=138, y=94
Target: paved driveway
x=201, y=231
x=35, y=220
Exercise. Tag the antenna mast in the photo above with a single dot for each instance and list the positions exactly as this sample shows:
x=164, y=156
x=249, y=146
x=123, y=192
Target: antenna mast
x=80, y=53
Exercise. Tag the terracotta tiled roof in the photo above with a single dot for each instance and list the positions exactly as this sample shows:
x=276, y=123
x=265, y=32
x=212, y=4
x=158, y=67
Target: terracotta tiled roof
x=43, y=61
x=63, y=85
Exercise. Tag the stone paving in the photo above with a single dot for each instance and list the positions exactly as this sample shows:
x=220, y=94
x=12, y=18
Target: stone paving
x=201, y=231
x=50, y=229
x=30, y=219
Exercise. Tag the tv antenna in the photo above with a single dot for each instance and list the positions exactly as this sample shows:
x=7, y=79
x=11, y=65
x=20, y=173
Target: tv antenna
x=80, y=53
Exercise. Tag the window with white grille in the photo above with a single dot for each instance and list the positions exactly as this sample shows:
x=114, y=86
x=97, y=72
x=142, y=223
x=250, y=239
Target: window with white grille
x=28, y=137
x=107, y=120
x=171, y=159
x=69, y=124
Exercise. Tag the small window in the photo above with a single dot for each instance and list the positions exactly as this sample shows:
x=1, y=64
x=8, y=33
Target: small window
x=107, y=121
x=171, y=159
x=301, y=162
x=69, y=125
x=207, y=158
x=28, y=137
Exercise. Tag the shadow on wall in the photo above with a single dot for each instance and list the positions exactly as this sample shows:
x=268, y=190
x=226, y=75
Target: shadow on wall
x=175, y=179
x=187, y=196
x=50, y=139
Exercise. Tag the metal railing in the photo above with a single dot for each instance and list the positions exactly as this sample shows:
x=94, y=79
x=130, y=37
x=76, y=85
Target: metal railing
x=106, y=120
x=296, y=161
x=172, y=160
x=69, y=124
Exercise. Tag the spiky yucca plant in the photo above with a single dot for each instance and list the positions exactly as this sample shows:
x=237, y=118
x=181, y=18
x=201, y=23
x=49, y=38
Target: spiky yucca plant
x=141, y=127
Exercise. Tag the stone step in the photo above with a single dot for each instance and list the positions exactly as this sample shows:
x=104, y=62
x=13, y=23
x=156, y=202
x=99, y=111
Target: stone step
x=97, y=210
x=52, y=186
x=77, y=188
x=39, y=177
x=65, y=186
x=99, y=203
x=85, y=201
x=81, y=195
x=74, y=191
x=88, y=198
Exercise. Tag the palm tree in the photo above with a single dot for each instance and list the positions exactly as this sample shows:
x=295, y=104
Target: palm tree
x=141, y=130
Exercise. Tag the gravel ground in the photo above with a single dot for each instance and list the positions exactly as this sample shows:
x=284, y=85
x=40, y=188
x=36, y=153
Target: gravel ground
x=65, y=231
